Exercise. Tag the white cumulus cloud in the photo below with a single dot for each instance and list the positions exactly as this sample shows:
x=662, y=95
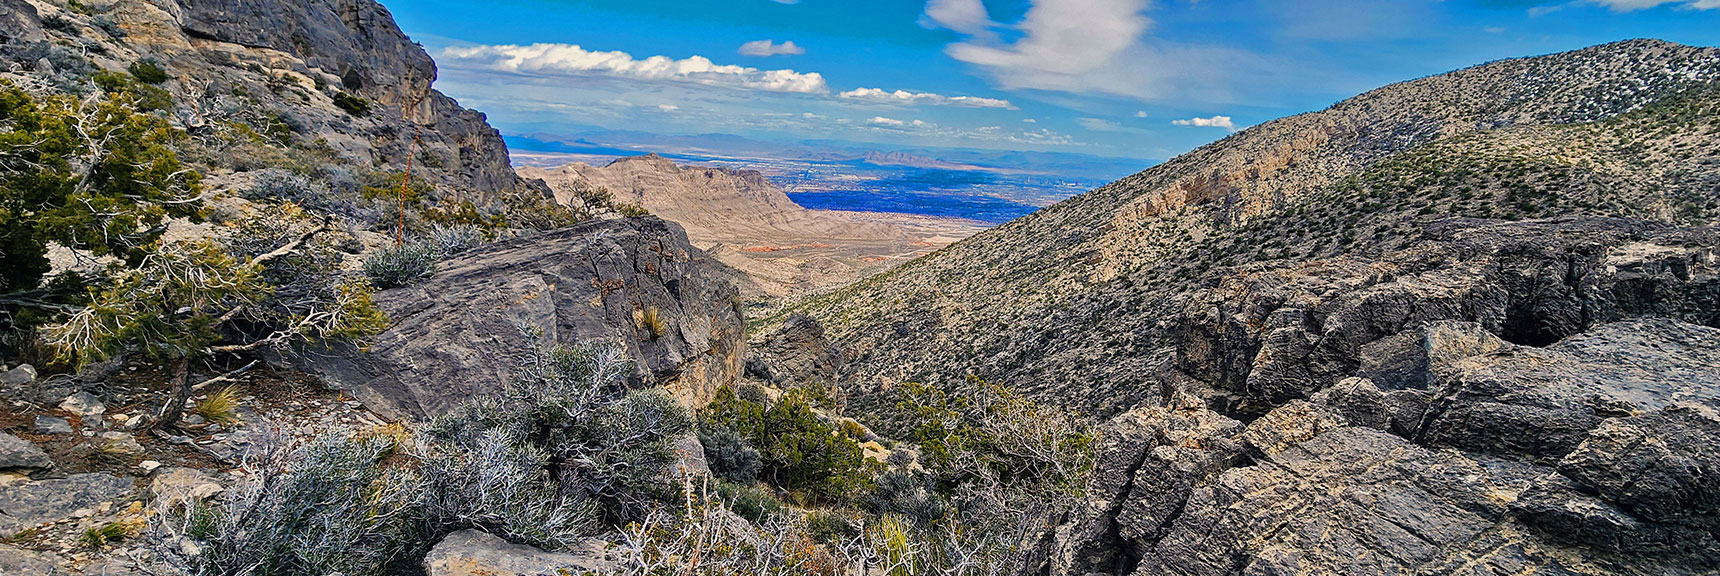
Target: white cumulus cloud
x=571, y=60
x=906, y=97
x=882, y=121
x=965, y=16
x=1094, y=46
x=766, y=48
x=1213, y=122
x=1633, y=5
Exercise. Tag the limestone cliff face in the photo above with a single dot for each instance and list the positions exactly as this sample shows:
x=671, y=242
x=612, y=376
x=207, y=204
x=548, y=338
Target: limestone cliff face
x=239, y=61
x=459, y=333
x=358, y=43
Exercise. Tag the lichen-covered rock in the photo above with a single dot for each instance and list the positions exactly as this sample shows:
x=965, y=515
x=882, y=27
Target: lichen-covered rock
x=458, y=333
x=1265, y=337
x=1641, y=483
x=22, y=562
x=1349, y=501
x=19, y=22
x=27, y=505
x=1149, y=460
x=1542, y=402
x=18, y=453
x=474, y=553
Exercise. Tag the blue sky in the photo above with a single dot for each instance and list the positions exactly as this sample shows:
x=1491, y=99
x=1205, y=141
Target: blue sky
x=1130, y=78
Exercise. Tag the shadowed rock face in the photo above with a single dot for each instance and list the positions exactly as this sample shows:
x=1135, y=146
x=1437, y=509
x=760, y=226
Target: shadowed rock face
x=457, y=334
x=19, y=22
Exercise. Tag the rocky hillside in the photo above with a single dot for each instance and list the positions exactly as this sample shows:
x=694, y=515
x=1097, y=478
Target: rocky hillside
x=301, y=86
x=1463, y=324
x=1081, y=301
x=748, y=223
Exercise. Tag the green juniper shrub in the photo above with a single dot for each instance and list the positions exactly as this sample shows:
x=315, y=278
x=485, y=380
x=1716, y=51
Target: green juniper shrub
x=108, y=195
x=830, y=527
x=800, y=452
x=353, y=105
x=147, y=72
x=728, y=454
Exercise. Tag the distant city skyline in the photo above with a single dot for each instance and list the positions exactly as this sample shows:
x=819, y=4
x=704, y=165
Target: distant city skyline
x=1124, y=78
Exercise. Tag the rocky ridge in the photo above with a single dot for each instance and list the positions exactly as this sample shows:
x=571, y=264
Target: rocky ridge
x=637, y=282
x=1077, y=302
x=747, y=222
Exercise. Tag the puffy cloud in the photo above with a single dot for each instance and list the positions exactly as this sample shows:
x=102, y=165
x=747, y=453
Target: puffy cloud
x=766, y=48
x=1213, y=122
x=964, y=16
x=1100, y=46
x=571, y=60
x=668, y=107
x=882, y=121
x=1633, y=5
x=906, y=97
x=1140, y=113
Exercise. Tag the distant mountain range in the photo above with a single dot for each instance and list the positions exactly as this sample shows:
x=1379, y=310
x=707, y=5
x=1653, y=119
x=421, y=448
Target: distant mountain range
x=727, y=146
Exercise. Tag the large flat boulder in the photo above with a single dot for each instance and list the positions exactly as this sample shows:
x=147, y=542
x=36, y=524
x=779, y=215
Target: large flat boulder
x=27, y=505
x=474, y=553
x=458, y=334
x=17, y=453
x=1542, y=402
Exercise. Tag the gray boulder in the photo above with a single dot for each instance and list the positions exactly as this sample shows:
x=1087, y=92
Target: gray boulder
x=19, y=22
x=1264, y=337
x=458, y=333
x=474, y=553
x=17, y=453
x=795, y=354
x=27, y=505
x=1148, y=461
x=1642, y=483
x=1542, y=402
x=15, y=560
x=22, y=375
x=83, y=404
x=51, y=425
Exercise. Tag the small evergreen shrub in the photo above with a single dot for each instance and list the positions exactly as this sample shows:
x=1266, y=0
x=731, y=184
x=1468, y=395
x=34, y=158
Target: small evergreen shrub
x=751, y=501
x=799, y=451
x=399, y=265
x=728, y=454
x=147, y=72
x=354, y=105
